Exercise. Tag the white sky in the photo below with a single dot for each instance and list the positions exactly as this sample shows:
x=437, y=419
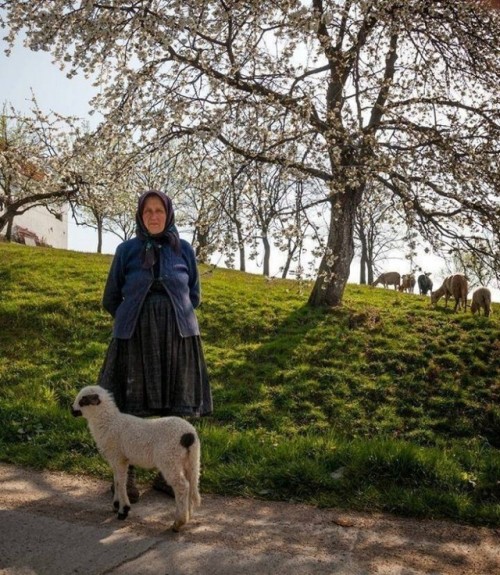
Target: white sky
x=25, y=71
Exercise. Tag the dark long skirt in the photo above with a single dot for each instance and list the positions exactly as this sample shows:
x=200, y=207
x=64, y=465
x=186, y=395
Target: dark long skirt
x=157, y=372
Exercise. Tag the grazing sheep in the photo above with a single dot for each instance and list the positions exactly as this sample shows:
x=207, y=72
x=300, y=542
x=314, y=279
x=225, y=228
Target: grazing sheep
x=481, y=299
x=407, y=283
x=170, y=444
x=453, y=286
x=387, y=279
x=424, y=284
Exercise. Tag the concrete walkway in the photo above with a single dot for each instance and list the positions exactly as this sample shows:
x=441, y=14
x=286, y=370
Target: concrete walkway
x=57, y=524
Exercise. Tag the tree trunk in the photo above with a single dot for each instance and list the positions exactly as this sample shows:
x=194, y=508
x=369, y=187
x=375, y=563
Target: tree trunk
x=335, y=266
x=241, y=250
x=201, y=245
x=241, y=246
x=289, y=257
x=369, y=265
x=10, y=227
x=364, y=259
x=99, y=236
x=362, y=270
x=267, y=254
x=360, y=235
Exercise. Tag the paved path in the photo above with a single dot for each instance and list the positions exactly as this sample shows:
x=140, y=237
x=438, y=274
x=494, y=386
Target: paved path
x=57, y=524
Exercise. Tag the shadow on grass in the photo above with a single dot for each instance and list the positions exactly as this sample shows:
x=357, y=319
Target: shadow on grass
x=269, y=374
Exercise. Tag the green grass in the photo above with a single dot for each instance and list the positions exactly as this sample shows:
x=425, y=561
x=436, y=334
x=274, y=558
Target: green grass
x=384, y=404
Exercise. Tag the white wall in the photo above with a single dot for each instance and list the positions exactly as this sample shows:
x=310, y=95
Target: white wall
x=47, y=227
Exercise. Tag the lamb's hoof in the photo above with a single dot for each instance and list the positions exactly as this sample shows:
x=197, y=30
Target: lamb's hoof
x=124, y=514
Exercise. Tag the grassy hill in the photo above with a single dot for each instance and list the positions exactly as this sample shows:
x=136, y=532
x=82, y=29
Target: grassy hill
x=384, y=404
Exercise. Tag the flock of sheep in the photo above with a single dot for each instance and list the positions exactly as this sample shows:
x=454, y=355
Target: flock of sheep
x=454, y=286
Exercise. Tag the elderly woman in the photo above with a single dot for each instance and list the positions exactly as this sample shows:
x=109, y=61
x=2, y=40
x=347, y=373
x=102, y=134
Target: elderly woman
x=155, y=364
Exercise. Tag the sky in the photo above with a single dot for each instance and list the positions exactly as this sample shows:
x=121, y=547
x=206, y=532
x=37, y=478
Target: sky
x=25, y=71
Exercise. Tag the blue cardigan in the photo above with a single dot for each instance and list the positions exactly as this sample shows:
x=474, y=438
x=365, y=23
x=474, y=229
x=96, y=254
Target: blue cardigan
x=128, y=284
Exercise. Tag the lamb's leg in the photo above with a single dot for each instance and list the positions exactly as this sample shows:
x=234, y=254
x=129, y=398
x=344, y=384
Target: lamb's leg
x=194, y=498
x=192, y=472
x=180, y=485
x=120, y=498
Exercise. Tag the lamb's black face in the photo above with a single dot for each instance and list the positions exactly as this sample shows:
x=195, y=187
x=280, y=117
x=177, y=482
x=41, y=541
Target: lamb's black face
x=84, y=401
x=92, y=399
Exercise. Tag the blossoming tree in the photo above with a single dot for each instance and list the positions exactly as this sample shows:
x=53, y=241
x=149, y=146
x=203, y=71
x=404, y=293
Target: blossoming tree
x=403, y=94
x=36, y=154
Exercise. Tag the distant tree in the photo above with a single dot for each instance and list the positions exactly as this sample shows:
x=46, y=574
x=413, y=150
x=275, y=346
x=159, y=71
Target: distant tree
x=108, y=165
x=36, y=155
x=473, y=265
x=292, y=230
x=377, y=232
x=158, y=170
x=199, y=186
x=233, y=205
x=122, y=222
x=204, y=223
x=230, y=176
x=267, y=193
x=161, y=170
x=347, y=92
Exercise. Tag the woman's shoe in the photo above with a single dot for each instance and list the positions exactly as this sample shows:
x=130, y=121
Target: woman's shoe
x=159, y=484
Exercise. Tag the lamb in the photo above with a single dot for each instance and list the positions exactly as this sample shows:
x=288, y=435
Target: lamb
x=453, y=286
x=408, y=283
x=170, y=444
x=387, y=279
x=424, y=283
x=481, y=299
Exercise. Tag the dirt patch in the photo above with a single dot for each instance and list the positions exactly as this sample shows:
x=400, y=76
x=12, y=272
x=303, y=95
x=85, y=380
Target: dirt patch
x=372, y=543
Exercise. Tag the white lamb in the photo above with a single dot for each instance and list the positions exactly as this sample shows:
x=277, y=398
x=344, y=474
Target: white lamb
x=170, y=444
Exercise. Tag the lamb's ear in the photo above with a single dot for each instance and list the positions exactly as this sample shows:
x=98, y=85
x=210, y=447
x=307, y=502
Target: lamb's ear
x=93, y=399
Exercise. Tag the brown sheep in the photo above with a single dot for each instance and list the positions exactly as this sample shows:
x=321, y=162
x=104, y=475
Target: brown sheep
x=408, y=283
x=387, y=279
x=453, y=286
x=481, y=299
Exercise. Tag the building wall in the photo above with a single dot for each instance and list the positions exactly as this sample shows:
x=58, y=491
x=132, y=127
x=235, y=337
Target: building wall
x=47, y=227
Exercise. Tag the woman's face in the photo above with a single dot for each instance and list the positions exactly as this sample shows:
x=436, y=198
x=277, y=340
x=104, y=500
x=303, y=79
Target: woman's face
x=154, y=215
